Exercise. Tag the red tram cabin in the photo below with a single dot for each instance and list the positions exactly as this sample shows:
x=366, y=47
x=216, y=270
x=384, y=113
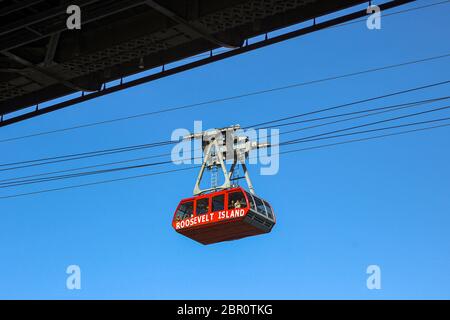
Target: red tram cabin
x=224, y=215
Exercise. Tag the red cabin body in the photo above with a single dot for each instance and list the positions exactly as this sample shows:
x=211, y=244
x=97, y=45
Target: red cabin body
x=223, y=215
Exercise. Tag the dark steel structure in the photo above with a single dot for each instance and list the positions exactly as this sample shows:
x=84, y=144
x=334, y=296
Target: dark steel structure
x=41, y=60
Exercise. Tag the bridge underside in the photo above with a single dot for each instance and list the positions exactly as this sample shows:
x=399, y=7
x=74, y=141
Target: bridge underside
x=40, y=60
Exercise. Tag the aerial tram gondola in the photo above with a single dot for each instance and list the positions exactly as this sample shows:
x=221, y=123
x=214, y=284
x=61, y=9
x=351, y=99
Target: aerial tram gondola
x=226, y=212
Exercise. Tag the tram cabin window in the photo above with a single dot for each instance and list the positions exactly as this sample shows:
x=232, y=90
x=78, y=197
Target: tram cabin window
x=185, y=210
x=218, y=203
x=260, y=205
x=236, y=200
x=202, y=206
x=269, y=210
x=251, y=201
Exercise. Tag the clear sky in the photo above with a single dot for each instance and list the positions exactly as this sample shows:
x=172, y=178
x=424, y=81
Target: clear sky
x=339, y=209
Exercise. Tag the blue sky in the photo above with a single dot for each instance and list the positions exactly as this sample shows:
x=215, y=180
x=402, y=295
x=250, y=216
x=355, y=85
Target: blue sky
x=339, y=209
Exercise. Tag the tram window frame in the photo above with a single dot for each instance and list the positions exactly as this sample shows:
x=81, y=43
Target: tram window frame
x=251, y=201
x=208, y=206
x=230, y=194
x=213, y=208
x=264, y=211
x=185, y=214
x=269, y=210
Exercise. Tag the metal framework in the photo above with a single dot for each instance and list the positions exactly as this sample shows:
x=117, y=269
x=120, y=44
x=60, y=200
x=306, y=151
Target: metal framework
x=223, y=147
x=187, y=27
x=40, y=60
